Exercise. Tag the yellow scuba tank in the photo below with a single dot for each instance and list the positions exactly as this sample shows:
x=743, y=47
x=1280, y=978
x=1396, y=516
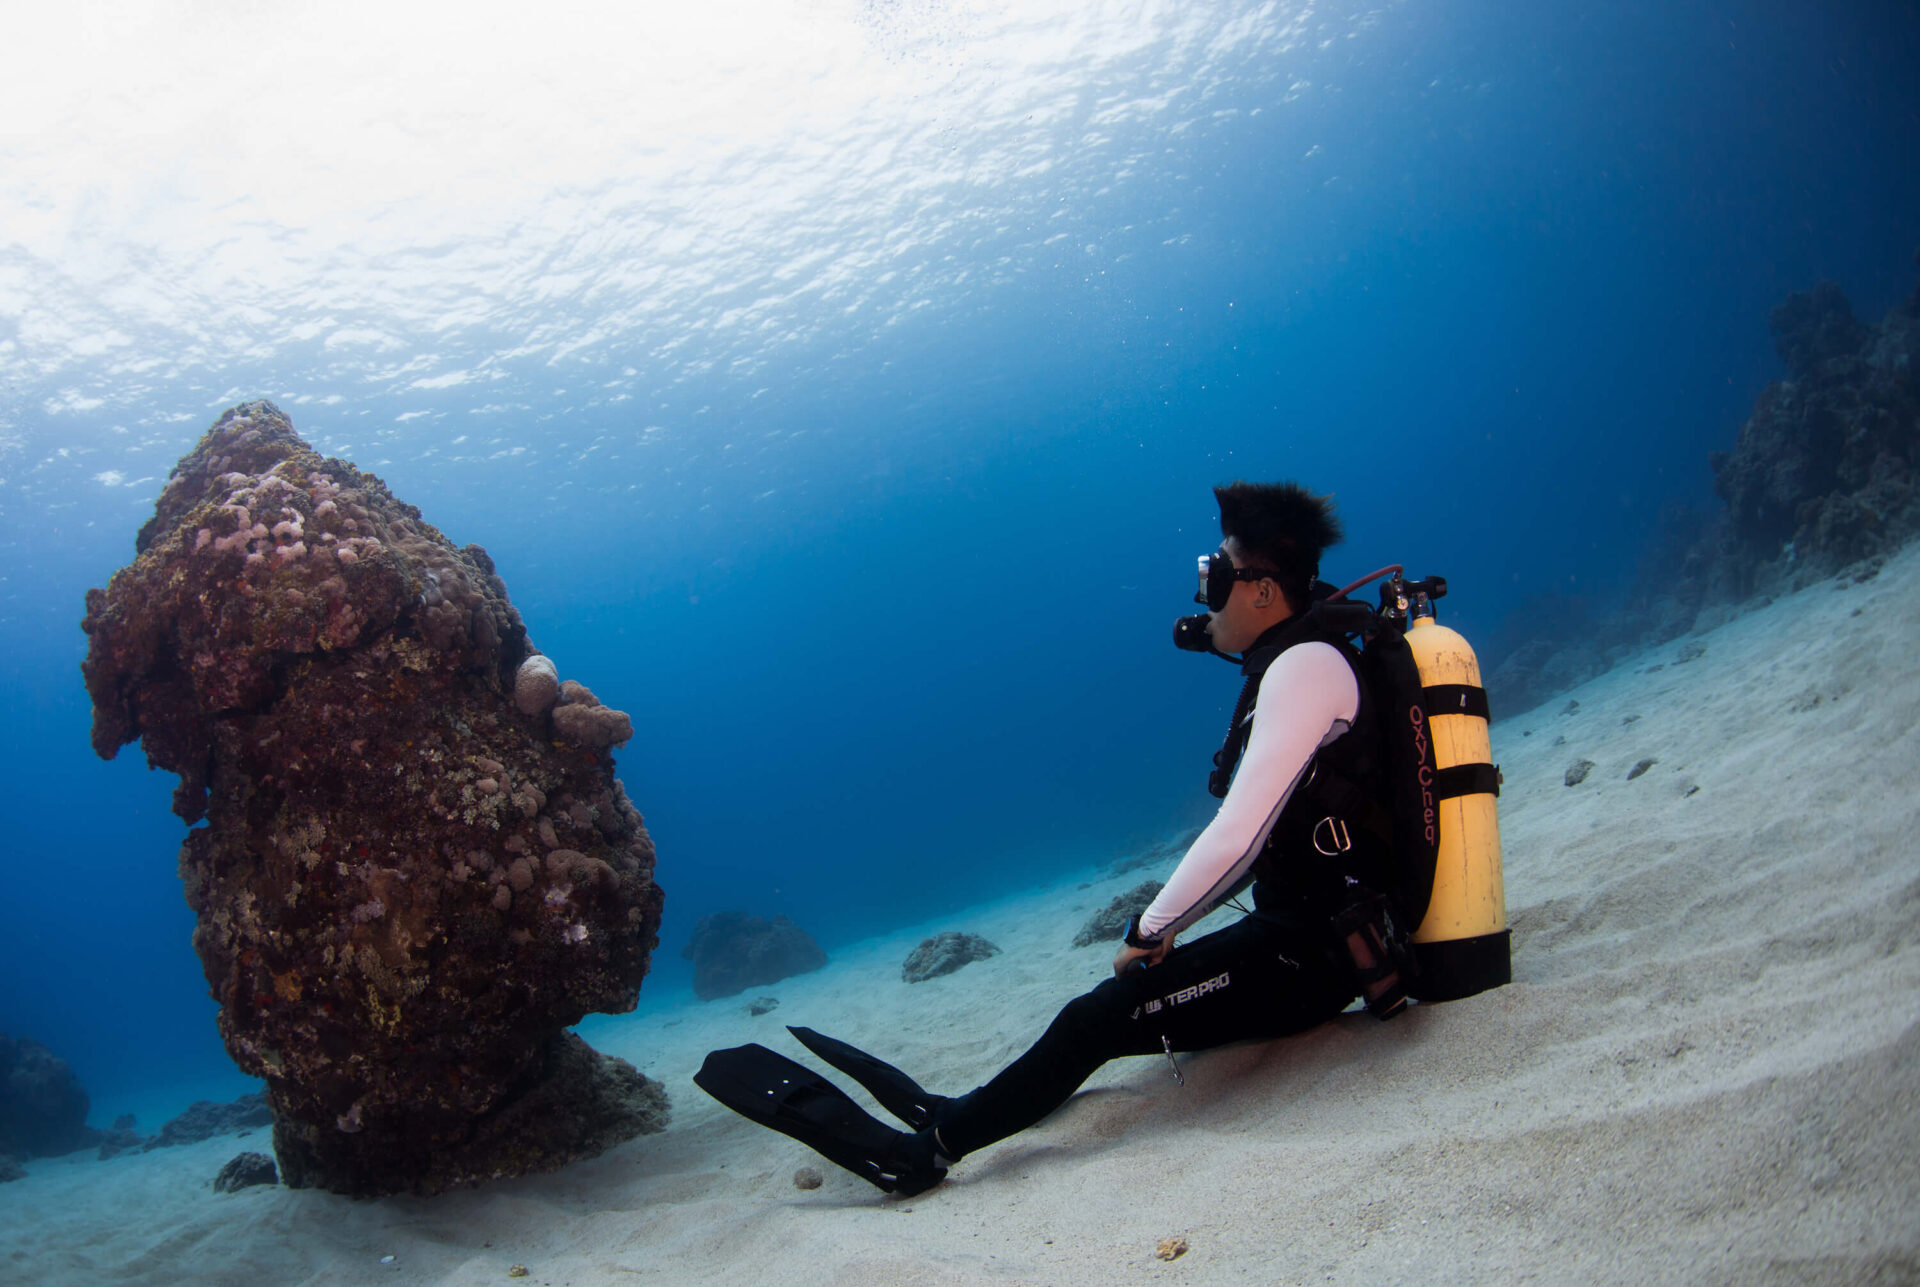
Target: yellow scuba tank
x=1462, y=944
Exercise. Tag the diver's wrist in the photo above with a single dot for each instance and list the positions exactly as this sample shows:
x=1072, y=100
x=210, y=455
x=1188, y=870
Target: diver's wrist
x=1135, y=939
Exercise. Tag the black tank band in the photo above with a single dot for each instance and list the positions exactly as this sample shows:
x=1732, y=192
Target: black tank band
x=1456, y=699
x=1466, y=779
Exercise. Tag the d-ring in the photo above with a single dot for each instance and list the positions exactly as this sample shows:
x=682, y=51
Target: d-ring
x=1337, y=836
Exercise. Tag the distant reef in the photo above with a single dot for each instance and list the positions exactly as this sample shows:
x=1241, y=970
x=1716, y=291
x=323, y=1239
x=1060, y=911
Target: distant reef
x=1821, y=482
x=43, y=1107
x=416, y=869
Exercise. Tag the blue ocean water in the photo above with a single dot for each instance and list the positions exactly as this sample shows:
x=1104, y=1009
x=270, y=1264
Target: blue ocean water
x=838, y=386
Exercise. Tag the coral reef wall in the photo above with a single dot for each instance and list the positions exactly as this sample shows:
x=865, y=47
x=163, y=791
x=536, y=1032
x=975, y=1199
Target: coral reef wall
x=1823, y=473
x=407, y=884
x=1825, y=476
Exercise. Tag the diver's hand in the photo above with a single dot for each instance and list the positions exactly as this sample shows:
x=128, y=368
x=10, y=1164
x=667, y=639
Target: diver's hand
x=1145, y=956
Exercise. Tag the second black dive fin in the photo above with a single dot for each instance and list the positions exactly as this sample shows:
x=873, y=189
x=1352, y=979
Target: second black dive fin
x=791, y=1098
x=898, y=1093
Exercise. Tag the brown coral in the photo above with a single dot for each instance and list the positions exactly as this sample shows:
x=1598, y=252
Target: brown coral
x=334, y=683
x=593, y=727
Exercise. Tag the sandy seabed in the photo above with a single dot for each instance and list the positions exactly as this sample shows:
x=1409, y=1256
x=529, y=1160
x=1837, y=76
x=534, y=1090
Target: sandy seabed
x=1707, y=1068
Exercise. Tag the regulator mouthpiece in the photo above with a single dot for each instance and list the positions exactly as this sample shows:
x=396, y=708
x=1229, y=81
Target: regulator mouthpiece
x=1190, y=634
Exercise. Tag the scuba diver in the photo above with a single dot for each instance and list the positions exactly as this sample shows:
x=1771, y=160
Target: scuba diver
x=1313, y=803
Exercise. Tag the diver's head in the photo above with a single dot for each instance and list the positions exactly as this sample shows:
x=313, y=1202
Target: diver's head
x=1272, y=538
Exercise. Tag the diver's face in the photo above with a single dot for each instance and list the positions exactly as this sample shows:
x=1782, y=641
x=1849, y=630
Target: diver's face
x=1252, y=607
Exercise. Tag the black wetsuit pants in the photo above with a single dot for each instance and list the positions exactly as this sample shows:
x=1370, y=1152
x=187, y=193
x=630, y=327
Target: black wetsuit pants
x=1258, y=978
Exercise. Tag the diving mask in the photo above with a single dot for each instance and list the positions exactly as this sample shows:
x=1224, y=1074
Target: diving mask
x=1217, y=575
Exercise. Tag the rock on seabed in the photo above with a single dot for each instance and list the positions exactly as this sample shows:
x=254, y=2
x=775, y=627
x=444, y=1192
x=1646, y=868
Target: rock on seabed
x=943, y=954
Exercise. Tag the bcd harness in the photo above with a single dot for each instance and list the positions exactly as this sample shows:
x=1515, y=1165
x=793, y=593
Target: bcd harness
x=1357, y=842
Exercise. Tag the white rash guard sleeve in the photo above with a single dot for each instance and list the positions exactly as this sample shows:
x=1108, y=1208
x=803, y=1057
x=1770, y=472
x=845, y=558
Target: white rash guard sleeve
x=1307, y=698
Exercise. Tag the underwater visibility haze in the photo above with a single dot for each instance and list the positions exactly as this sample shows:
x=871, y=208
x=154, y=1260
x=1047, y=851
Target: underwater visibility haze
x=838, y=386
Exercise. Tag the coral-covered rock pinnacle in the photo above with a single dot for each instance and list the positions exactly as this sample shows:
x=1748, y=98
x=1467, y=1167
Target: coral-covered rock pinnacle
x=407, y=885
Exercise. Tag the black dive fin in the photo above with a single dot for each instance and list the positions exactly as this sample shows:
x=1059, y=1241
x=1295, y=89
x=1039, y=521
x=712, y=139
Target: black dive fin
x=898, y=1093
x=791, y=1098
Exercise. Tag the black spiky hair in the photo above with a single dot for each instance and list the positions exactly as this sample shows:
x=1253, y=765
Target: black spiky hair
x=1283, y=526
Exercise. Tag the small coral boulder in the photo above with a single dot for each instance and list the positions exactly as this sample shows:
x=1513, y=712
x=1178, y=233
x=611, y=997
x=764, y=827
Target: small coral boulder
x=43, y=1107
x=1111, y=921
x=244, y=1172
x=732, y=951
x=943, y=954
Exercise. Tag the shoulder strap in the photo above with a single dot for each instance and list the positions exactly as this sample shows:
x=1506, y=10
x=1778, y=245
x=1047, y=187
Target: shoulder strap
x=1322, y=623
x=1227, y=758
